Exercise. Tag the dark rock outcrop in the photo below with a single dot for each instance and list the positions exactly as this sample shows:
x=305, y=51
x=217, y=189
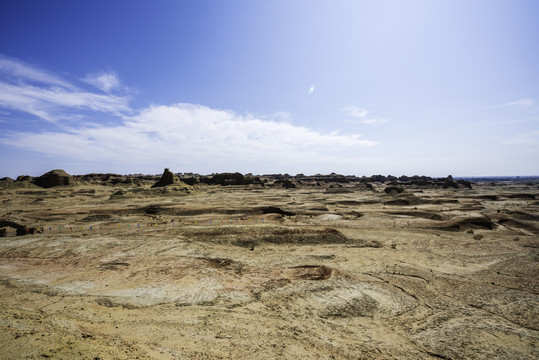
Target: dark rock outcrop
x=225, y=179
x=470, y=223
x=54, y=178
x=449, y=182
x=288, y=184
x=393, y=190
x=21, y=229
x=168, y=178
x=249, y=179
x=191, y=180
x=114, y=179
x=275, y=210
x=465, y=183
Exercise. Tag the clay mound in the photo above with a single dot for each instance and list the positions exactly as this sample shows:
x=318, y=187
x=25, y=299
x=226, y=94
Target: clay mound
x=490, y=197
x=288, y=184
x=417, y=213
x=393, y=190
x=168, y=178
x=397, y=202
x=517, y=225
x=333, y=297
x=345, y=202
x=524, y=216
x=10, y=184
x=275, y=210
x=21, y=229
x=470, y=223
x=22, y=182
x=226, y=179
x=362, y=305
x=405, y=200
x=312, y=272
x=450, y=183
x=339, y=189
x=53, y=178
x=153, y=209
x=273, y=217
x=303, y=236
x=245, y=237
x=521, y=196
x=97, y=217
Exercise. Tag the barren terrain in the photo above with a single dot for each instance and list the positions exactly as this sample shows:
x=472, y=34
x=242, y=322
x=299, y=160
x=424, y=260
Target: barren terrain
x=320, y=272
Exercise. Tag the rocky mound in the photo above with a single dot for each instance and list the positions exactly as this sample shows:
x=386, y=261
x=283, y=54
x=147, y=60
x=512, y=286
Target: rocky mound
x=473, y=222
x=8, y=183
x=21, y=229
x=53, y=178
x=168, y=178
x=288, y=184
x=393, y=190
x=225, y=179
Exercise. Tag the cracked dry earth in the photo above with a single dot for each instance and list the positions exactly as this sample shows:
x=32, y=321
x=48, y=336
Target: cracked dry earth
x=340, y=276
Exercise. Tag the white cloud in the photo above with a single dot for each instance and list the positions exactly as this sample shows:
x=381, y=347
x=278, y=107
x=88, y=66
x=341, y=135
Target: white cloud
x=524, y=102
x=51, y=103
x=103, y=81
x=359, y=115
x=34, y=91
x=355, y=112
x=179, y=135
x=18, y=70
x=195, y=136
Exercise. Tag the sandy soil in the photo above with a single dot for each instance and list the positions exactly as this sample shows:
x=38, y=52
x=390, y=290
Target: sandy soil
x=326, y=275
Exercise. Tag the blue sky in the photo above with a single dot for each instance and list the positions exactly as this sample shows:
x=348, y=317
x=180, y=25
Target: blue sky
x=353, y=87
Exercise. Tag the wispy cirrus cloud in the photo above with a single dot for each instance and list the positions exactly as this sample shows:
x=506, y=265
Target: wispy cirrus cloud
x=16, y=71
x=51, y=103
x=524, y=102
x=356, y=114
x=49, y=97
x=520, y=103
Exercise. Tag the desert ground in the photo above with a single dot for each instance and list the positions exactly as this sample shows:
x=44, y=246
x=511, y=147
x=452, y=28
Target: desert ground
x=322, y=270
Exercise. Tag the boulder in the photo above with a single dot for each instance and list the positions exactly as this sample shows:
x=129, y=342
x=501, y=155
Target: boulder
x=168, y=178
x=54, y=178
